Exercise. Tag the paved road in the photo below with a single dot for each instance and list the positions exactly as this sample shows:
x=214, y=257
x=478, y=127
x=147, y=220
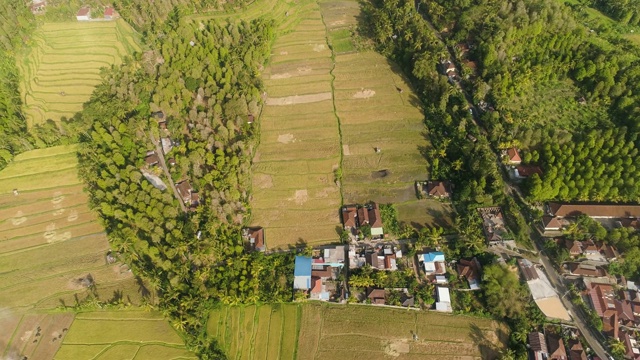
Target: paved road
x=591, y=335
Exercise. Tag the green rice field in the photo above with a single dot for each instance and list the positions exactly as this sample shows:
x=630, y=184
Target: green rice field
x=256, y=332
x=63, y=66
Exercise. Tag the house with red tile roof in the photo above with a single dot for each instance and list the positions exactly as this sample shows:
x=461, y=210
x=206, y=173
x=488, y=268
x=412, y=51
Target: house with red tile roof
x=254, y=238
x=349, y=217
x=512, y=156
x=576, y=351
x=438, y=189
x=555, y=346
x=84, y=14
x=525, y=171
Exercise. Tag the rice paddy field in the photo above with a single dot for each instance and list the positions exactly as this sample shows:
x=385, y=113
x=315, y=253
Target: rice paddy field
x=122, y=334
x=256, y=332
x=329, y=107
x=63, y=66
x=326, y=331
x=50, y=239
x=295, y=196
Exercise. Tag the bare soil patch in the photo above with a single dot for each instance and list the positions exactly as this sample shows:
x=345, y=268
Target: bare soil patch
x=396, y=347
x=364, y=94
x=304, y=69
x=263, y=181
x=319, y=47
x=286, y=138
x=280, y=76
x=299, y=99
x=284, y=53
x=345, y=150
x=301, y=197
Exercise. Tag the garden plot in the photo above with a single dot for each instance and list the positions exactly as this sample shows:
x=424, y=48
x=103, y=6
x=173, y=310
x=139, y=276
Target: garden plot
x=295, y=195
x=63, y=67
x=50, y=240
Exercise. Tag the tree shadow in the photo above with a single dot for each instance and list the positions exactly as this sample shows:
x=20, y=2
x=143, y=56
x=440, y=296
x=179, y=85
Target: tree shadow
x=142, y=288
x=117, y=297
x=487, y=348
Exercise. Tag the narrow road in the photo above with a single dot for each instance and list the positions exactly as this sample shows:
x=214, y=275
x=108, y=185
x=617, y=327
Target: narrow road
x=163, y=164
x=590, y=334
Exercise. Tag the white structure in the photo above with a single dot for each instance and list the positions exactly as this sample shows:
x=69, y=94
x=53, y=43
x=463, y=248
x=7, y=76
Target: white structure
x=434, y=262
x=444, y=299
x=84, y=14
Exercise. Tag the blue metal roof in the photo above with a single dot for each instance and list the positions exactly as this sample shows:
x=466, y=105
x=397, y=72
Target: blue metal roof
x=434, y=256
x=303, y=266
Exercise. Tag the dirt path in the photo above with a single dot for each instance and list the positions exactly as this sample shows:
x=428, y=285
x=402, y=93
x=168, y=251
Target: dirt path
x=163, y=164
x=299, y=99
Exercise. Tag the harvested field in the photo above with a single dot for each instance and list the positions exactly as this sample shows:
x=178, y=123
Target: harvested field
x=256, y=332
x=337, y=331
x=313, y=330
x=130, y=334
x=36, y=336
x=293, y=172
x=49, y=238
x=62, y=69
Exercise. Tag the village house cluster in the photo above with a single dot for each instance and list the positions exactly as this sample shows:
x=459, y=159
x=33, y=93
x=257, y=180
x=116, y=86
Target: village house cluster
x=550, y=345
x=357, y=217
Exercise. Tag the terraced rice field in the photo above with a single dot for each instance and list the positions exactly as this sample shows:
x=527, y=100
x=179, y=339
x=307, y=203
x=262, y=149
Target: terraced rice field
x=330, y=331
x=256, y=332
x=122, y=334
x=63, y=67
x=295, y=196
x=49, y=238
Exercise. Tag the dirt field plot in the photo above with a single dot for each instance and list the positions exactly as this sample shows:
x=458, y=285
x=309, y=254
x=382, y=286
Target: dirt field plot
x=61, y=70
x=329, y=331
x=256, y=332
x=35, y=336
x=397, y=129
x=293, y=173
x=122, y=334
x=50, y=239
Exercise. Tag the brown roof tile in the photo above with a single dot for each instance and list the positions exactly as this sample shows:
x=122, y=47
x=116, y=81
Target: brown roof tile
x=594, y=210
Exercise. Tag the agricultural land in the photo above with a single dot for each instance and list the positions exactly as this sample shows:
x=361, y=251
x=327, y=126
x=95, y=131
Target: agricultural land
x=256, y=331
x=61, y=69
x=329, y=107
x=299, y=152
x=49, y=239
x=310, y=331
x=131, y=334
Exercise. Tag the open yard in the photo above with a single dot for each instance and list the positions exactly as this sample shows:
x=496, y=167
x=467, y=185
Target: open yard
x=295, y=196
x=50, y=240
x=256, y=332
x=329, y=331
x=62, y=68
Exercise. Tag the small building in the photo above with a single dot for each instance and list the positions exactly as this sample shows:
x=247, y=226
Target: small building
x=38, y=6
x=576, y=351
x=377, y=296
x=370, y=215
x=581, y=269
x=574, y=247
x=349, y=217
x=167, y=145
x=438, y=189
x=443, y=302
x=470, y=270
x=556, y=348
x=189, y=197
x=528, y=270
x=493, y=225
x=334, y=256
x=84, y=14
x=171, y=161
x=631, y=346
x=110, y=13
x=320, y=287
x=433, y=262
x=250, y=119
x=449, y=68
x=525, y=171
x=513, y=157
x=255, y=238
x=302, y=273
x=151, y=159
x=538, y=346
